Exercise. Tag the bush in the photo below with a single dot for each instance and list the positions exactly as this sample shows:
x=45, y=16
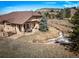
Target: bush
x=75, y=34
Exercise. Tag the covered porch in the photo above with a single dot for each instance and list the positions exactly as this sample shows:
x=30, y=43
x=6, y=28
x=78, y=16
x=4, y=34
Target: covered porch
x=28, y=27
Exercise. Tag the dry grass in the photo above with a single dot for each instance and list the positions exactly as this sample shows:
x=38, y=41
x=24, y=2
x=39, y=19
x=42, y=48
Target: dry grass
x=41, y=37
x=62, y=25
x=17, y=48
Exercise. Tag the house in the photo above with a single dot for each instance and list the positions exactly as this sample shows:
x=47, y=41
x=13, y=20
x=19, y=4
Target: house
x=20, y=21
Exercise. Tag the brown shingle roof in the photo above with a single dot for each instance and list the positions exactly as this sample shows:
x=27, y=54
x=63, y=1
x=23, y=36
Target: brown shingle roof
x=18, y=17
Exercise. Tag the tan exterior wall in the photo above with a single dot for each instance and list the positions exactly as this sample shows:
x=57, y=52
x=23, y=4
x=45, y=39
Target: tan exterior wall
x=15, y=29
x=9, y=28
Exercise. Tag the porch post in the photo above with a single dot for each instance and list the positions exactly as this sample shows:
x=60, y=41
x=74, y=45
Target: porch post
x=22, y=28
x=5, y=26
x=30, y=26
x=17, y=29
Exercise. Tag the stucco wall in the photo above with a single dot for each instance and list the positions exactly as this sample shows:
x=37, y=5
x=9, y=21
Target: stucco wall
x=14, y=29
x=9, y=28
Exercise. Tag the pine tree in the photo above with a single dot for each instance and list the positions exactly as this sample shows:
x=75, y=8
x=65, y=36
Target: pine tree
x=43, y=24
x=75, y=34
